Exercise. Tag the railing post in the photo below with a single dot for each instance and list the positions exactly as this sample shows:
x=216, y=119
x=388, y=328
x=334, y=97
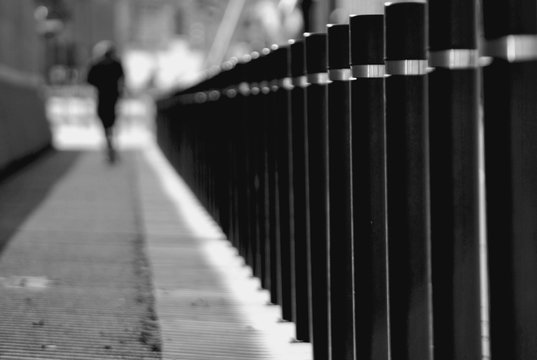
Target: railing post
x=262, y=177
x=340, y=200
x=280, y=86
x=408, y=181
x=510, y=92
x=254, y=250
x=272, y=106
x=455, y=233
x=316, y=100
x=235, y=187
x=243, y=156
x=369, y=184
x=300, y=190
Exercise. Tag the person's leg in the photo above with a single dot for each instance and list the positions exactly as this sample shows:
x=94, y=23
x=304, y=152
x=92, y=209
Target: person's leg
x=107, y=115
x=111, y=151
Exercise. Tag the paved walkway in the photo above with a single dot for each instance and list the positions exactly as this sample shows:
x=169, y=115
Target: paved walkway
x=121, y=262
x=73, y=279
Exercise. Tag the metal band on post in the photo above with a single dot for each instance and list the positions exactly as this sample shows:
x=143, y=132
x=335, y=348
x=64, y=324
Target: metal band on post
x=405, y=2
x=513, y=48
x=339, y=74
x=300, y=81
x=274, y=85
x=455, y=58
x=286, y=83
x=214, y=95
x=406, y=67
x=255, y=88
x=200, y=97
x=369, y=71
x=265, y=87
x=318, y=78
x=231, y=91
x=244, y=88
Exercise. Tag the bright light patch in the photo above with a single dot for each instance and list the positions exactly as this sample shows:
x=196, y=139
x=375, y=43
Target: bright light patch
x=243, y=288
x=26, y=282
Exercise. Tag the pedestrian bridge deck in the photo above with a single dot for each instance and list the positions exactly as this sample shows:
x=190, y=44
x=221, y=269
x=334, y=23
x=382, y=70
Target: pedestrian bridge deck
x=103, y=261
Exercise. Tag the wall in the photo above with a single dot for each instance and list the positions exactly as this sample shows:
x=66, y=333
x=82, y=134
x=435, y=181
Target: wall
x=20, y=45
x=23, y=126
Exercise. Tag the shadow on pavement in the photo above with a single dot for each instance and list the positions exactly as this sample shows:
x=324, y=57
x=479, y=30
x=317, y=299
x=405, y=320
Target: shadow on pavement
x=23, y=190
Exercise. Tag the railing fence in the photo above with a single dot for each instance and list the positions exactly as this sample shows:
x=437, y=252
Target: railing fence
x=347, y=169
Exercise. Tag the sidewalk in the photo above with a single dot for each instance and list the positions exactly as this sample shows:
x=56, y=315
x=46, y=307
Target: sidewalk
x=121, y=262
x=73, y=279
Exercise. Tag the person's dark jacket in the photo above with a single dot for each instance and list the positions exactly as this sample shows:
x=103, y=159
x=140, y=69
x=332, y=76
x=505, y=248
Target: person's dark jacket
x=106, y=74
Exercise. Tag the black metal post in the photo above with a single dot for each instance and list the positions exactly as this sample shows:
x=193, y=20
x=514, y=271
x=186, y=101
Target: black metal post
x=243, y=154
x=300, y=191
x=316, y=100
x=369, y=186
x=257, y=116
x=408, y=181
x=510, y=92
x=280, y=85
x=340, y=201
x=272, y=174
x=250, y=247
x=455, y=233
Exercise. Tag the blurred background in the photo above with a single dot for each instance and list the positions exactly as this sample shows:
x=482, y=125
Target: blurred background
x=164, y=44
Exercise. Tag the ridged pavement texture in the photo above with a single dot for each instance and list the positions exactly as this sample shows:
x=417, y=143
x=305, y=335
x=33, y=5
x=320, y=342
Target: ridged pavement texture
x=74, y=283
x=121, y=262
x=208, y=305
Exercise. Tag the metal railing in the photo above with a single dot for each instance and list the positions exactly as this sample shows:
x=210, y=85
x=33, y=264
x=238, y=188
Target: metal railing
x=348, y=169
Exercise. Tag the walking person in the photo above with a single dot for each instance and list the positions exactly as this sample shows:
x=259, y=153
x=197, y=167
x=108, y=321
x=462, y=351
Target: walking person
x=107, y=76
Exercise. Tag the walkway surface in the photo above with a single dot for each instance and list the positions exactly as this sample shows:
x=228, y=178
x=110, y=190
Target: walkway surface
x=102, y=261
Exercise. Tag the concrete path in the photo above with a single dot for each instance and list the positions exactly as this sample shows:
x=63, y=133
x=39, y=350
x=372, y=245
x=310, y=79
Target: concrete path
x=121, y=262
x=74, y=283
x=208, y=305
